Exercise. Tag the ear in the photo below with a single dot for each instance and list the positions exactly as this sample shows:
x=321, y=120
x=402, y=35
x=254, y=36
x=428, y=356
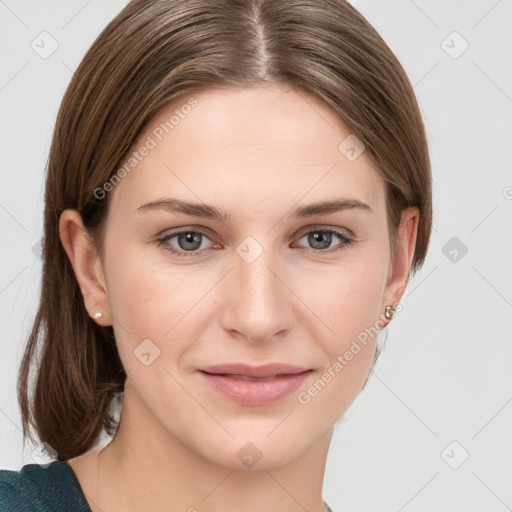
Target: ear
x=400, y=264
x=86, y=264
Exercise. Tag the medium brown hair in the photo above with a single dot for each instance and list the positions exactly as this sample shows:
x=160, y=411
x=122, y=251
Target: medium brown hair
x=149, y=54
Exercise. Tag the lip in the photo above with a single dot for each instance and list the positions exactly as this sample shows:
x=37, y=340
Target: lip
x=255, y=385
x=266, y=370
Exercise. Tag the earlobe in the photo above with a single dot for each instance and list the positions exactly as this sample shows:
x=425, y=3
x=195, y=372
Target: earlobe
x=86, y=264
x=401, y=262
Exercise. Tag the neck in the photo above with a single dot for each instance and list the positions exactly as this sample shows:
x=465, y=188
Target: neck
x=172, y=476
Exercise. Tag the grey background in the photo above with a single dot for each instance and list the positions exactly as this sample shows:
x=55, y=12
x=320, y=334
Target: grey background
x=443, y=388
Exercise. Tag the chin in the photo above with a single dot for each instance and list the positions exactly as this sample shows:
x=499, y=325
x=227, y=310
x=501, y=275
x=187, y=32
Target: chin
x=256, y=452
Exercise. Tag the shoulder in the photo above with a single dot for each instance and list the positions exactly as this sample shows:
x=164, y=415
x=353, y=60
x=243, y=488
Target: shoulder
x=39, y=488
x=16, y=487
x=10, y=497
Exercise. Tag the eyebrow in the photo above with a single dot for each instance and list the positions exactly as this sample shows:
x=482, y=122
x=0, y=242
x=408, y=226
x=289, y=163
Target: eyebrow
x=174, y=205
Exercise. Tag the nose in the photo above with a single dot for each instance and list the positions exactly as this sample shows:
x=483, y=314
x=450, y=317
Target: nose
x=258, y=302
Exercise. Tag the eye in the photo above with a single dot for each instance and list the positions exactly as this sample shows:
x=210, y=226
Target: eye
x=188, y=242
x=321, y=239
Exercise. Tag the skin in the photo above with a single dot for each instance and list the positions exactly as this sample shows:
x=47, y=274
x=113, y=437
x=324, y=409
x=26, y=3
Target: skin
x=256, y=154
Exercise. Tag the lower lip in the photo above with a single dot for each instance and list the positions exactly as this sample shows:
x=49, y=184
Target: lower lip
x=256, y=392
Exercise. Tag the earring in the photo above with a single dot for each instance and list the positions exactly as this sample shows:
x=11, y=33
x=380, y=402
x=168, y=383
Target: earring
x=99, y=314
x=390, y=311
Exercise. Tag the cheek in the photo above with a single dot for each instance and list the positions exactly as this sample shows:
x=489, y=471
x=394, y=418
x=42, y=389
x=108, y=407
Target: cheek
x=350, y=307
x=145, y=290
x=147, y=301
x=346, y=298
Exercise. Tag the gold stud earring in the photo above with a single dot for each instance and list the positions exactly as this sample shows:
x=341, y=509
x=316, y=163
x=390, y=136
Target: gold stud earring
x=390, y=312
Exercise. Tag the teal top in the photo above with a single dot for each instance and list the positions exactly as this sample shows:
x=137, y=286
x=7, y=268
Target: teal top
x=39, y=488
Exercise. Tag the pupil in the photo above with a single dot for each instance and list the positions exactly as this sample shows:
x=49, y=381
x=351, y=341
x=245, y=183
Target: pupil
x=190, y=238
x=323, y=238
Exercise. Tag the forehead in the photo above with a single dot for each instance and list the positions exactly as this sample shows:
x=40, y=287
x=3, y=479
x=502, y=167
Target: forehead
x=241, y=144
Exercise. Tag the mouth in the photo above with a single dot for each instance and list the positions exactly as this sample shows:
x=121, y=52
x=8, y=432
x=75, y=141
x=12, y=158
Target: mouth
x=255, y=386
x=258, y=372
x=245, y=377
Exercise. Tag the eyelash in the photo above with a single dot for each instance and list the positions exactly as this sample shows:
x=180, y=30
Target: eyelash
x=345, y=241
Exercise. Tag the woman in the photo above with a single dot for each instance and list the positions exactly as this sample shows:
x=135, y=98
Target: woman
x=237, y=194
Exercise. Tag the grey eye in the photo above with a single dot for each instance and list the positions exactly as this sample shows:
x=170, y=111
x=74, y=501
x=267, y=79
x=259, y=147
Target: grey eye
x=189, y=240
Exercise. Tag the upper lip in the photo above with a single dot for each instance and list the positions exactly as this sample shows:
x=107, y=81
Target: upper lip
x=267, y=370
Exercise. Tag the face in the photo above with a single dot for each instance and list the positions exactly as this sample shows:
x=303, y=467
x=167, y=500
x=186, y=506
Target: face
x=257, y=272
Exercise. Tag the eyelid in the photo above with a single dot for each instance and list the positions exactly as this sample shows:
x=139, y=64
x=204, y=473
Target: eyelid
x=183, y=229
x=305, y=229
x=325, y=227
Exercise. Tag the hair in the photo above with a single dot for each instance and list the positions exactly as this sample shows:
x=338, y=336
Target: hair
x=151, y=53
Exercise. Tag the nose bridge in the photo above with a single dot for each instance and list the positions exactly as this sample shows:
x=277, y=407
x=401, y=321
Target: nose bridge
x=258, y=301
